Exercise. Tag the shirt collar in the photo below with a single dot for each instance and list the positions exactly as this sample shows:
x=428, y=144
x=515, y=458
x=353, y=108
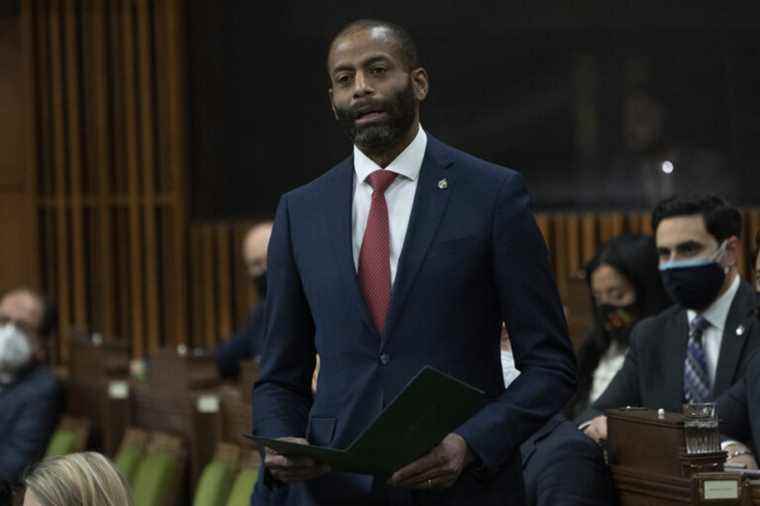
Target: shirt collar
x=717, y=313
x=408, y=163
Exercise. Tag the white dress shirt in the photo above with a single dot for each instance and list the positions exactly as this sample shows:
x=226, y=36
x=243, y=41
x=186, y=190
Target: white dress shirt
x=712, y=337
x=399, y=196
x=610, y=363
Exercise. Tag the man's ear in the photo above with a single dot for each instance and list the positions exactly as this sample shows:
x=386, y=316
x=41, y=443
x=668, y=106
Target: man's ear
x=420, y=83
x=733, y=251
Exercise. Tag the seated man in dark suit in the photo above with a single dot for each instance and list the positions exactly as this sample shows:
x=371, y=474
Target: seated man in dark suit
x=561, y=466
x=29, y=392
x=739, y=414
x=695, y=350
x=246, y=343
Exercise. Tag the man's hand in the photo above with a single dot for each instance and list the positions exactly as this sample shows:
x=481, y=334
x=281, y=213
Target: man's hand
x=439, y=469
x=597, y=429
x=745, y=456
x=292, y=469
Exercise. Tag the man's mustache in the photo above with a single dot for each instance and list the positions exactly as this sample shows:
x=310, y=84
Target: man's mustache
x=357, y=111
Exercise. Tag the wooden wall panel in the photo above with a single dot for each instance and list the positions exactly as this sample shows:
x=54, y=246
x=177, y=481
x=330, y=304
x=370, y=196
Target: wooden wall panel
x=106, y=141
x=17, y=211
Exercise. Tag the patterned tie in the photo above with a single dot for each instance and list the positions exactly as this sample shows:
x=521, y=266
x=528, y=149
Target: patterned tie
x=696, y=380
x=375, y=257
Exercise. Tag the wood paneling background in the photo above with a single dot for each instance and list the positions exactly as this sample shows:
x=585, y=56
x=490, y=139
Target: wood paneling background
x=17, y=223
x=107, y=154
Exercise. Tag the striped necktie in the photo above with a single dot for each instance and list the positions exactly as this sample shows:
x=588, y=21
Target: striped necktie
x=696, y=380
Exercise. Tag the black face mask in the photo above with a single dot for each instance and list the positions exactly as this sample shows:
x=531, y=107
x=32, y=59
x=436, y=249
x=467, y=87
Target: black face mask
x=260, y=282
x=618, y=321
x=693, y=284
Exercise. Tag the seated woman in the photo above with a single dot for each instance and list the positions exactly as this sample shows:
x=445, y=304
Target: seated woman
x=86, y=479
x=625, y=287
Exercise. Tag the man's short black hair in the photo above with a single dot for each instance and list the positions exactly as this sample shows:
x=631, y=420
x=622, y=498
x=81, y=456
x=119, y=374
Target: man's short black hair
x=407, y=47
x=721, y=219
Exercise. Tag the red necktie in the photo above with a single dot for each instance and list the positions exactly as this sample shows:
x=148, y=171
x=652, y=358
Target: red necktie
x=375, y=257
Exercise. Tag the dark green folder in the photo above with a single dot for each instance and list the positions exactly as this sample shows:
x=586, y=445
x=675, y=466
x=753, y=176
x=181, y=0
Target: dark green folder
x=431, y=406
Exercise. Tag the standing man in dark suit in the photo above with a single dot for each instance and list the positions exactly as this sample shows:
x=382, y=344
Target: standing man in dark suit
x=405, y=254
x=697, y=349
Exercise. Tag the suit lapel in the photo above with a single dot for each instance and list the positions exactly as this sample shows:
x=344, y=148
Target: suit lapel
x=738, y=325
x=430, y=201
x=337, y=205
x=675, y=339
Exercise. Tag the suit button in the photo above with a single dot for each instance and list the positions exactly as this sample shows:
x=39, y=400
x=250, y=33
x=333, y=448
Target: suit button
x=385, y=358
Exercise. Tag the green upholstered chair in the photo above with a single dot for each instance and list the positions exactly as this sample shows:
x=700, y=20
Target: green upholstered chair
x=158, y=478
x=242, y=488
x=214, y=484
x=131, y=452
x=69, y=437
x=153, y=479
x=63, y=442
x=127, y=461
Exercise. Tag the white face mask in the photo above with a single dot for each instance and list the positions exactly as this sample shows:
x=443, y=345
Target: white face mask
x=508, y=367
x=15, y=351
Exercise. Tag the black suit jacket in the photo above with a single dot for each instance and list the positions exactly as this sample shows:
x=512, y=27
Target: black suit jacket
x=652, y=374
x=739, y=407
x=29, y=410
x=563, y=467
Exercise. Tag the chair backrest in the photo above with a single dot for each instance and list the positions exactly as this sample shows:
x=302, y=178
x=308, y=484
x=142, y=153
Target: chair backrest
x=214, y=485
x=157, y=478
x=215, y=482
x=131, y=452
x=242, y=488
x=69, y=437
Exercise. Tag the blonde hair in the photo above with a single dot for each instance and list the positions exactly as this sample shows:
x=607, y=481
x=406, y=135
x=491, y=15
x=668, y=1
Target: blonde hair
x=81, y=479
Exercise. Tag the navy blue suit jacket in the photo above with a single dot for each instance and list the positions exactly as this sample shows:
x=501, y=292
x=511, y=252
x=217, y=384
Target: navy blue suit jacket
x=564, y=467
x=29, y=410
x=472, y=258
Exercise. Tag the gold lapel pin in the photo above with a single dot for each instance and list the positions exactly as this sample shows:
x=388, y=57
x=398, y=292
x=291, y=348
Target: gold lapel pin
x=443, y=184
x=740, y=330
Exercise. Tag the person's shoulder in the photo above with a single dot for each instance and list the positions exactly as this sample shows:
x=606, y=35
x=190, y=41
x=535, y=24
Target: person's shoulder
x=476, y=167
x=38, y=382
x=651, y=327
x=46, y=380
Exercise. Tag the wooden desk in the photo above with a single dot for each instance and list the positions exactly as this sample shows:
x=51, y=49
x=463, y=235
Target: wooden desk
x=650, y=468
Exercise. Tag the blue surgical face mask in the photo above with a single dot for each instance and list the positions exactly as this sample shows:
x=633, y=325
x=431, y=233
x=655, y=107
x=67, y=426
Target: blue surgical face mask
x=15, y=351
x=694, y=283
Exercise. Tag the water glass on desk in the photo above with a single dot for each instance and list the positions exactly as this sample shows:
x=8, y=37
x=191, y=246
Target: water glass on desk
x=701, y=428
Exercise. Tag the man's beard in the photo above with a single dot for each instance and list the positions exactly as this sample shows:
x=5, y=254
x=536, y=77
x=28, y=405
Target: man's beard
x=400, y=109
